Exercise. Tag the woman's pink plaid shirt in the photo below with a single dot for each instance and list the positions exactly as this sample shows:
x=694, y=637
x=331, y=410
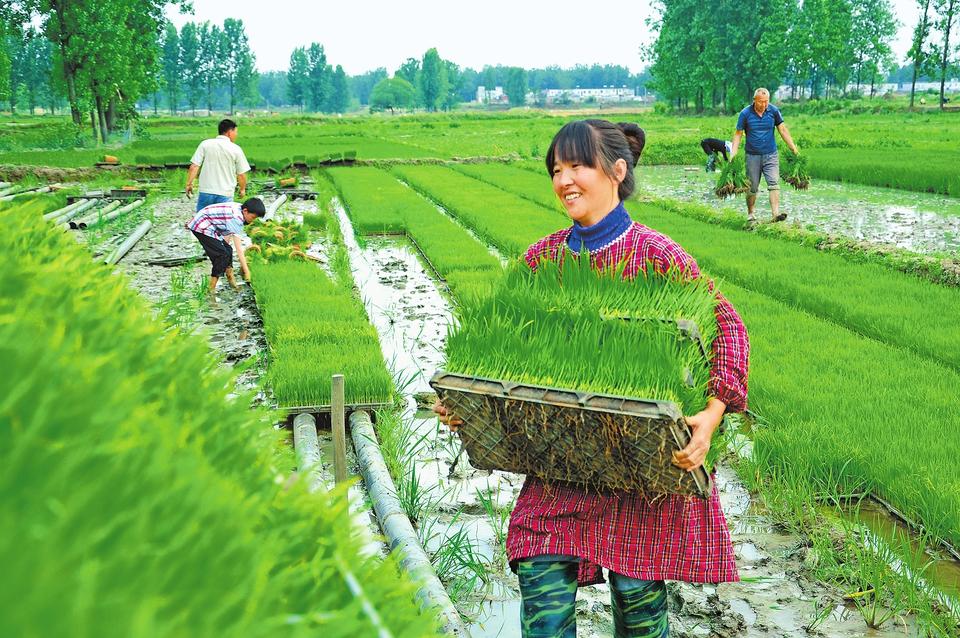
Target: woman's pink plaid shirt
x=671, y=538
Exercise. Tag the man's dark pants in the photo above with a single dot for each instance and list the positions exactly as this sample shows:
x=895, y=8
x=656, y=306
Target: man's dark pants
x=219, y=252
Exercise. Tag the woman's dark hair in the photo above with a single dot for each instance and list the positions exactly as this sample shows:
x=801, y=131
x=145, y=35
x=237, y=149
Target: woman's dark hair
x=599, y=143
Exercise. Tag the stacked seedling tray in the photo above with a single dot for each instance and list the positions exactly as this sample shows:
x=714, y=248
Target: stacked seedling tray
x=580, y=376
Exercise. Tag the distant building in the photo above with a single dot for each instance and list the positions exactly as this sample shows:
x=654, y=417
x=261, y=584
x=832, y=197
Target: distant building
x=491, y=96
x=604, y=95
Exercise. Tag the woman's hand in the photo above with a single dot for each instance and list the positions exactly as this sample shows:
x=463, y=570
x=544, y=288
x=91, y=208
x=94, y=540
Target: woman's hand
x=703, y=424
x=446, y=418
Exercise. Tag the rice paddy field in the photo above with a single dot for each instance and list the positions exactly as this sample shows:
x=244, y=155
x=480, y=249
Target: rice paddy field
x=408, y=261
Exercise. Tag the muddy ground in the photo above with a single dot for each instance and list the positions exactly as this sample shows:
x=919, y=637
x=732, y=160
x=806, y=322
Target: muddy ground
x=777, y=596
x=920, y=222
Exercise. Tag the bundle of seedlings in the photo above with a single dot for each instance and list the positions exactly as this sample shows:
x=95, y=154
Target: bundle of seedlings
x=586, y=373
x=276, y=240
x=733, y=178
x=794, y=171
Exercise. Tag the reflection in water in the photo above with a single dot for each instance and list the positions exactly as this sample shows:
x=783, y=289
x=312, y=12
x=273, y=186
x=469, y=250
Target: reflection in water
x=919, y=222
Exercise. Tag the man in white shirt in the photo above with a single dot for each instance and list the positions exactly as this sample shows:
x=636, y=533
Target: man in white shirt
x=224, y=166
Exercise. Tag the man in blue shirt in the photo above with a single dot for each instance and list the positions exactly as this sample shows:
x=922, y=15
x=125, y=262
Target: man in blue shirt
x=759, y=120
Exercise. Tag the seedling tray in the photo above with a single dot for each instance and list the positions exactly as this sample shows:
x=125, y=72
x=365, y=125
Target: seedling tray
x=604, y=442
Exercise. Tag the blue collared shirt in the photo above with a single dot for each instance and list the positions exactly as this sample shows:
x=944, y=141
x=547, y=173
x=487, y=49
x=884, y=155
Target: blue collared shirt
x=760, y=139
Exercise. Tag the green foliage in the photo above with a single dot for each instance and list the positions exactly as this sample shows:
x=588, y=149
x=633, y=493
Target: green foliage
x=153, y=503
x=569, y=325
x=315, y=329
x=392, y=94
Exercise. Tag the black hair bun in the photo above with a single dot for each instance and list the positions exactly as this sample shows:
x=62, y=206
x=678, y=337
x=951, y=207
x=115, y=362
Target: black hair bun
x=636, y=138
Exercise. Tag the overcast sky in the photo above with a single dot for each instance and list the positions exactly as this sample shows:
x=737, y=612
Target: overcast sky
x=362, y=36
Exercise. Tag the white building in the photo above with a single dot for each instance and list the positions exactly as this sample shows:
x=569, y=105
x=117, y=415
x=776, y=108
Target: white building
x=605, y=95
x=491, y=96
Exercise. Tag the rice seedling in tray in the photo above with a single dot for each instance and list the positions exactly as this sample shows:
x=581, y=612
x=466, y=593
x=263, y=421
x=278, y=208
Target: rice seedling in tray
x=316, y=329
x=577, y=375
x=732, y=179
x=794, y=171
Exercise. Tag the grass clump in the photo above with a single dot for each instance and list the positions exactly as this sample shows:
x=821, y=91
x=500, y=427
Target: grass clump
x=794, y=171
x=148, y=502
x=732, y=179
x=569, y=325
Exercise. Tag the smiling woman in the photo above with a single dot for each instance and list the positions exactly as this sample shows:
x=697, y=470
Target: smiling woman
x=560, y=536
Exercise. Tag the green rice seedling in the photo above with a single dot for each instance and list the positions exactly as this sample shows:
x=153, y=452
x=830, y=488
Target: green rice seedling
x=166, y=498
x=316, y=329
x=568, y=325
x=732, y=179
x=508, y=222
x=498, y=517
x=794, y=171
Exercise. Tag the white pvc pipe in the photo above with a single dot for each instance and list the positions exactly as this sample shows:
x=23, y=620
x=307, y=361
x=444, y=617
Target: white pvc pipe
x=274, y=205
x=94, y=216
x=142, y=229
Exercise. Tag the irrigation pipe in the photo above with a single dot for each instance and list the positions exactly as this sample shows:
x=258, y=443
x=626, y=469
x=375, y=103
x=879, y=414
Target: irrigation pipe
x=5, y=185
x=63, y=211
x=120, y=211
x=309, y=463
x=92, y=217
x=307, y=447
x=65, y=216
x=129, y=242
x=396, y=526
x=274, y=205
x=33, y=191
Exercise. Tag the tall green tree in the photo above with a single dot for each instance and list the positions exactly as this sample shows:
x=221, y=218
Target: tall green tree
x=339, y=98
x=946, y=11
x=409, y=71
x=432, y=80
x=455, y=81
x=392, y=93
x=318, y=73
x=872, y=29
x=238, y=61
x=172, y=66
x=516, y=86
x=298, y=78
x=192, y=80
x=918, y=52
x=210, y=61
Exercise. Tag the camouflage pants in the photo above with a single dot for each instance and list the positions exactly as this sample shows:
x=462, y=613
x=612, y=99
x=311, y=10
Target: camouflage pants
x=548, y=586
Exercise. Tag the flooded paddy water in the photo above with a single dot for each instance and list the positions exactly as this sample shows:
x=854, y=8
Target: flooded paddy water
x=920, y=222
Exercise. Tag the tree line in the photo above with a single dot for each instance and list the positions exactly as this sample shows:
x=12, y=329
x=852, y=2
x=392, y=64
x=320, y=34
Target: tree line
x=713, y=55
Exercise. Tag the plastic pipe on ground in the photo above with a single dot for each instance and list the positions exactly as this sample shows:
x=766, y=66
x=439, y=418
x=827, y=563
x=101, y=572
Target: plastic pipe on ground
x=396, y=526
x=4, y=185
x=122, y=211
x=63, y=211
x=307, y=447
x=32, y=191
x=94, y=216
x=82, y=208
x=274, y=205
x=129, y=242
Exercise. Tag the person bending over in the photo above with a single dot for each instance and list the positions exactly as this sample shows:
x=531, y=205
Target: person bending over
x=712, y=146
x=216, y=227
